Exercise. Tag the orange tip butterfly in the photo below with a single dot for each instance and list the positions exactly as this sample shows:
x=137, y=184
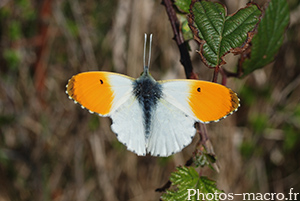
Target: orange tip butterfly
x=148, y=116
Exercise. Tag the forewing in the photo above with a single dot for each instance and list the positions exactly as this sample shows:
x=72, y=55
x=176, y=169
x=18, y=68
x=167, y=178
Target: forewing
x=110, y=94
x=100, y=92
x=204, y=101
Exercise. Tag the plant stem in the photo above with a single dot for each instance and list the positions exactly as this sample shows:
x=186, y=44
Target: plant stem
x=185, y=59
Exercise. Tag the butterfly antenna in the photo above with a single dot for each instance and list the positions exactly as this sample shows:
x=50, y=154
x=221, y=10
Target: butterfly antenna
x=144, y=58
x=146, y=67
x=150, y=45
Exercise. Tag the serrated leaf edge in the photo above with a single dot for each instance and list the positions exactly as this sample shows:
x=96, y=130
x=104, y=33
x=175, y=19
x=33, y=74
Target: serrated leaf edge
x=203, y=182
x=237, y=50
x=247, y=52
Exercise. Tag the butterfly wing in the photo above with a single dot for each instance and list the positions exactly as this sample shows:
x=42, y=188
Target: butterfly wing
x=204, y=101
x=183, y=102
x=127, y=123
x=110, y=94
x=100, y=92
x=171, y=130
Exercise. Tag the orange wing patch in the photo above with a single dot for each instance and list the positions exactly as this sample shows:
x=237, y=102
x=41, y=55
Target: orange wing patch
x=212, y=102
x=93, y=91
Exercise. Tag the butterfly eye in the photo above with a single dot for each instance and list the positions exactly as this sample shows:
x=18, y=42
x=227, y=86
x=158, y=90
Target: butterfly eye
x=199, y=89
x=101, y=81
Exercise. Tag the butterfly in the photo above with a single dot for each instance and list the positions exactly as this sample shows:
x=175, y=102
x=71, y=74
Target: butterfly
x=149, y=116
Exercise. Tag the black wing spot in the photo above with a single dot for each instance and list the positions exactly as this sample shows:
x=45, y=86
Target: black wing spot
x=199, y=89
x=101, y=81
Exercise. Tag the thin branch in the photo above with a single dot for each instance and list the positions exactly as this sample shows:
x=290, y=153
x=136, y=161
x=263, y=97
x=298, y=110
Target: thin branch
x=216, y=73
x=185, y=59
x=187, y=64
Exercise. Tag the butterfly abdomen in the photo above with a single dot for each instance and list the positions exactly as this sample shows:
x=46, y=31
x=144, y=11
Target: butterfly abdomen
x=148, y=92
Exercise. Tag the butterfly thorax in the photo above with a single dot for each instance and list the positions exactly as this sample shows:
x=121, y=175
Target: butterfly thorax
x=148, y=92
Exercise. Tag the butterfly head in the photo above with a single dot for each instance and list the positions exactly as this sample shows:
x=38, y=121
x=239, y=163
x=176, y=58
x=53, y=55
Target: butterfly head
x=146, y=71
x=146, y=75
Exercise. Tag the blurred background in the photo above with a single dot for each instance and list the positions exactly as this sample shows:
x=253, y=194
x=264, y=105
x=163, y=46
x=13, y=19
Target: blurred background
x=51, y=149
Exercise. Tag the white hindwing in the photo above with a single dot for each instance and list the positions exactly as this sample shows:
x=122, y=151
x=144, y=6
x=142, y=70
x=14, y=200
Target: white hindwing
x=171, y=130
x=128, y=125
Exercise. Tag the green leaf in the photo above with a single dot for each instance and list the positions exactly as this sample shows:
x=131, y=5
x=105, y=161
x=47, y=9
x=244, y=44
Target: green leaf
x=219, y=34
x=204, y=158
x=269, y=38
x=201, y=160
x=183, y=5
x=185, y=29
x=187, y=182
